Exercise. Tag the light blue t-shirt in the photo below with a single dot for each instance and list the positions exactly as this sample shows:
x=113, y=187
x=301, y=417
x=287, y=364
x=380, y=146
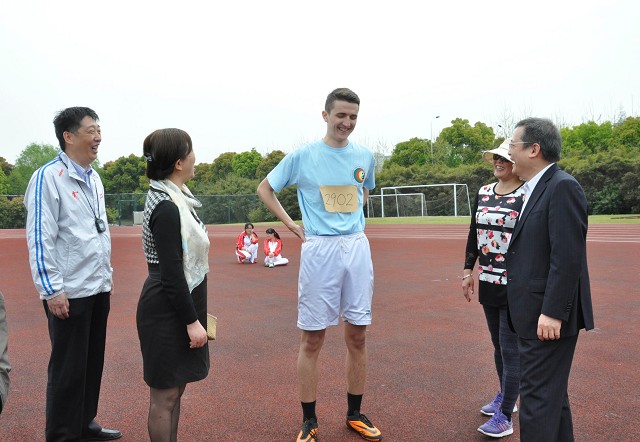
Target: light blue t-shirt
x=317, y=164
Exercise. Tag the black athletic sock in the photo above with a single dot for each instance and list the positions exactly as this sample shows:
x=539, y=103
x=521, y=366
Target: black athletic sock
x=308, y=410
x=508, y=415
x=354, y=401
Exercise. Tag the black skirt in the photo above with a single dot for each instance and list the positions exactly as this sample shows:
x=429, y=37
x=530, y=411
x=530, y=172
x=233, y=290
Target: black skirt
x=167, y=359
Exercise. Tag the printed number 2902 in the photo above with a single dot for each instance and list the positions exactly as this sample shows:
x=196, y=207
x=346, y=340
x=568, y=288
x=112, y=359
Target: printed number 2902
x=340, y=198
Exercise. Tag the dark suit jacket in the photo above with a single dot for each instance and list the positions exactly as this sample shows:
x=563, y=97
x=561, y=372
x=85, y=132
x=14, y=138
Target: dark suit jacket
x=547, y=258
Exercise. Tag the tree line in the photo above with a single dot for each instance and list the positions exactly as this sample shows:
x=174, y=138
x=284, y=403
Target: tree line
x=604, y=158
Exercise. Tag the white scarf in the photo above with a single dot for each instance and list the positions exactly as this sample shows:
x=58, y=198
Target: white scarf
x=195, y=241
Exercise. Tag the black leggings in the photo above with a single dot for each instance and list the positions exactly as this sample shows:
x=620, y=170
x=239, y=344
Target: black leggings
x=505, y=344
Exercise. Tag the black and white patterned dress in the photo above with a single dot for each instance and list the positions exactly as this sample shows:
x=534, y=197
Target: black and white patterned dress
x=489, y=236
x=166, y=306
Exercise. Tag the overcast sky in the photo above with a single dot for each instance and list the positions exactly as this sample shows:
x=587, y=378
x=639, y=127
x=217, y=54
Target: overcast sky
x=238, y=75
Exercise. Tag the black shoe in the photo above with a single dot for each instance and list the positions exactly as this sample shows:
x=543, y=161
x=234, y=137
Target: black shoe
x=105, y=434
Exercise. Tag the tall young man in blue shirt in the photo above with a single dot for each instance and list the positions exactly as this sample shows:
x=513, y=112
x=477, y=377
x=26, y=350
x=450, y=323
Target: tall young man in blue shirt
x=333, y=178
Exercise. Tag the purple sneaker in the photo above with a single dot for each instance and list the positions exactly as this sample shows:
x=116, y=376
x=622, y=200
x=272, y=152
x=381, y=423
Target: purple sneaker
x=497, y=426
x=495, y=404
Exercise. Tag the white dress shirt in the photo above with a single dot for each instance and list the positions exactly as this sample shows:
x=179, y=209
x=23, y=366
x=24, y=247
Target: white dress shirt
x=530, y=185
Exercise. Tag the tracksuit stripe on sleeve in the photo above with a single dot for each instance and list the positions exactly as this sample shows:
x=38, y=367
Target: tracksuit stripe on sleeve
x=42, y=269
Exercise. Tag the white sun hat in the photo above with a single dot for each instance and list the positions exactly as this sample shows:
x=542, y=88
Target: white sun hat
x=502, y=150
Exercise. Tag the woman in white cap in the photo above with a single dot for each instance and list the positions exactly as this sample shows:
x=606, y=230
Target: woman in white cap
x=497, y=207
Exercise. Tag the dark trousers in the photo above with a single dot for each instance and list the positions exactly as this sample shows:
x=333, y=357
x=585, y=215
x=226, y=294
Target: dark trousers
x=545, y=414
x=505, y=354
x=75, y=367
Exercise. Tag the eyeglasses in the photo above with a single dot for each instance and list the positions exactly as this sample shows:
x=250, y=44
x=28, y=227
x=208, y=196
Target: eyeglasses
x=497, y=157
x=513, y=143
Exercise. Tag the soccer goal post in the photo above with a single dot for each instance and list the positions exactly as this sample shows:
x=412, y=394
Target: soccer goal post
x=403, y=204
x=420, y=200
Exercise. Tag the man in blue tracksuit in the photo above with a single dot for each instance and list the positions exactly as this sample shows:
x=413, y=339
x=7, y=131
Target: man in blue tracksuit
x=70, y=256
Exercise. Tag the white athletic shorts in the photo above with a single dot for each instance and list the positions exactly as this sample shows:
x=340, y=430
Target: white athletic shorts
x=336, y=280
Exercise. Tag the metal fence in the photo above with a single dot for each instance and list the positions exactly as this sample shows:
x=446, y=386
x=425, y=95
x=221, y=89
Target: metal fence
x=121, y=209
x=216, y=209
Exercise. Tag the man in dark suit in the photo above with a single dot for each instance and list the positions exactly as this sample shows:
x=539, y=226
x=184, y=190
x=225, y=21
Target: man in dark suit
x=548, y=291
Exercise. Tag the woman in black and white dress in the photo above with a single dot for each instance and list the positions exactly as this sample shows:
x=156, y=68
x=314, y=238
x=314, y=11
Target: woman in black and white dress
x=496, y=211
x=172, y=310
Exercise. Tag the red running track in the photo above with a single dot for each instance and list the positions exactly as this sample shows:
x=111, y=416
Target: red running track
x=430, y=358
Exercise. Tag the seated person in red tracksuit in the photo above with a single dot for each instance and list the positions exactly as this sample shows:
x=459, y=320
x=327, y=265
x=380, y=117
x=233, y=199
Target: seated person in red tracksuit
x=272, y=250
x=247, y=245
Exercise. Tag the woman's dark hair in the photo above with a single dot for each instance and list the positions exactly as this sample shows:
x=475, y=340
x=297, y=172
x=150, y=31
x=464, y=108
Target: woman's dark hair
x=162, y=149
x=270, y=231
x=246, y=226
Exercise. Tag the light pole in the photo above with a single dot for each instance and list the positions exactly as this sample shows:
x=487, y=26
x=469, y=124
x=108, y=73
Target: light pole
x=431, y=137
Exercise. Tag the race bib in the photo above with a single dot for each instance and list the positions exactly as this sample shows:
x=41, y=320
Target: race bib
x=340, y=198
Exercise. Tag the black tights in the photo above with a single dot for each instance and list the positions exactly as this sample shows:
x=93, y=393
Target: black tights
x=164, y=413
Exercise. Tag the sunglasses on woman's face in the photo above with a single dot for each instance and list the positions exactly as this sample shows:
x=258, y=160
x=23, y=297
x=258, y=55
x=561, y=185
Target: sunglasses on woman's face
x=497, y=157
